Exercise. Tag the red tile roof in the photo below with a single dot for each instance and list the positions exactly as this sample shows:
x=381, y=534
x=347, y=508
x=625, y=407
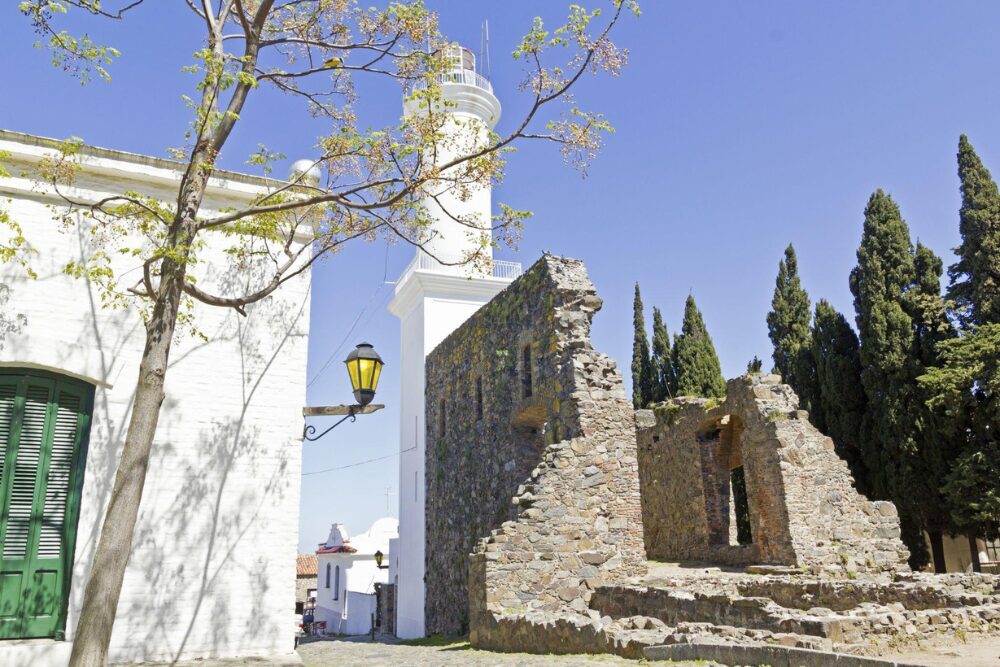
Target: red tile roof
x=342, y=549
x=305, y=565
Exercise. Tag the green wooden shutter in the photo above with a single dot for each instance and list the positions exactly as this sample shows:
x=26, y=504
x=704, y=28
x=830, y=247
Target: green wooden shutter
x=8, y=395
x=43, y=438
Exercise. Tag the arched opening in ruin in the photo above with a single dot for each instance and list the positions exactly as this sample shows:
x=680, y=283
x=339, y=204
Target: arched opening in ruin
x=727, y=495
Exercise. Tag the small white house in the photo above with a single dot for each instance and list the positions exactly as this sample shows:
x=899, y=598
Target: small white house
x=348, y=572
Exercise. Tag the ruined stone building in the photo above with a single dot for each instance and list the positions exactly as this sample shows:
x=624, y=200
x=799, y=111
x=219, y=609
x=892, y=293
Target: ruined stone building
x=546, y=492
x=531, y=444
x=801, y=505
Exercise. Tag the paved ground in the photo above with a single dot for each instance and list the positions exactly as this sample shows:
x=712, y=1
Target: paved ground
x=352, y=651
x=976, y=653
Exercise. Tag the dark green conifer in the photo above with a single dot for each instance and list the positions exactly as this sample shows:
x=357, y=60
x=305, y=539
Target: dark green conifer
x=662, y=360
x=891, y=429
x=964, y=389
x=755, y=366
x=936, y=450
x=835, y=349
x=696, y=365
x=642, y=375
x=884, y=271
x=788, y=328
x=975, y=278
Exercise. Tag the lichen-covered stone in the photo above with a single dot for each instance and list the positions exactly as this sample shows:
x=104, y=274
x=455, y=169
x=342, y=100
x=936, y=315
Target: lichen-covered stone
x=803, y=508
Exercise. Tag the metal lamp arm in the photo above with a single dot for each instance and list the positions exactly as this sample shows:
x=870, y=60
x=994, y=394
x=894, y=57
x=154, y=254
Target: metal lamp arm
x=308, y=430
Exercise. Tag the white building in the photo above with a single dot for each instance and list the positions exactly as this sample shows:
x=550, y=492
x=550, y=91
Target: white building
x=348, y=572
x=431, y=300
x=209, y=574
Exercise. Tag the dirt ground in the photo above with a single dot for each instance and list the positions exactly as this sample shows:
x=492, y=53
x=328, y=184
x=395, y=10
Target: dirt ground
x=975, y=653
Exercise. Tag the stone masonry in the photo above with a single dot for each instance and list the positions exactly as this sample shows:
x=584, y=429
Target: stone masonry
x=531, y=462
x=803, y=509
x=535, y=463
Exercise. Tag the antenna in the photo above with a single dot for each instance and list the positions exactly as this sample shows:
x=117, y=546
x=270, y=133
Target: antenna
x=489, y=64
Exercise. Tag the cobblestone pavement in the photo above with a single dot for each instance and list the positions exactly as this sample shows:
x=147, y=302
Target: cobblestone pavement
x=352, y=651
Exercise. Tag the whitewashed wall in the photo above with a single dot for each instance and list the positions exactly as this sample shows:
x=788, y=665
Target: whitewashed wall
x=212, y=569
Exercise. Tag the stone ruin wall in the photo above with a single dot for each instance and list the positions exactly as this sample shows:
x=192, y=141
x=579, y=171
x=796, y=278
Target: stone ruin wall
x=804, y=511
x=543, y=488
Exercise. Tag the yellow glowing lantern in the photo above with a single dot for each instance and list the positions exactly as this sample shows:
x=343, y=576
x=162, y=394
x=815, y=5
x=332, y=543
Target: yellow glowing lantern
x=364, y=367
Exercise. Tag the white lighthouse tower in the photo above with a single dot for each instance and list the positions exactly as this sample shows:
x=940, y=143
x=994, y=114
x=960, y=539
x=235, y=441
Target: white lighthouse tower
x=433, y=297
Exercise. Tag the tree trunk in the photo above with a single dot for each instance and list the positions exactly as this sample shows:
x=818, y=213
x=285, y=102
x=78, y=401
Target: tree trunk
x=937, y=551
x=100, y=599
x=974, y=551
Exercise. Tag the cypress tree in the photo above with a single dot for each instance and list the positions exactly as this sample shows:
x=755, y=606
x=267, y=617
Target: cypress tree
x=696, y=365
x=788, y=328
x=642, y=386
x=965, y=390
x=936, y=450
x=663, y=365
x=975, y=278
x=891, y=431
x=884, y=271
x=836, y=351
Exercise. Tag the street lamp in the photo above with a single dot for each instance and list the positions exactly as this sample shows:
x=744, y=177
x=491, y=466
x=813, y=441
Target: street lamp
x=364, y=367
x=378, y=560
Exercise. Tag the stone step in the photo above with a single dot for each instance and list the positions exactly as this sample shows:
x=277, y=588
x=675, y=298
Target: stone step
x=775, y=656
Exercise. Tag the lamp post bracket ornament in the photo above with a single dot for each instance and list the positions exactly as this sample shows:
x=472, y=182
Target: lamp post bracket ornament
x=364, y=367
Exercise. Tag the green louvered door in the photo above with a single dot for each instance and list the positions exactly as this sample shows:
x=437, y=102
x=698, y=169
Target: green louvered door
x=44, y=421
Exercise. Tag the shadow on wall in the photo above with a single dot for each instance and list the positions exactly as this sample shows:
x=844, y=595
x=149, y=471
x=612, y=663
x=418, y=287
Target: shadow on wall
x=203, y=587
x=213, y=512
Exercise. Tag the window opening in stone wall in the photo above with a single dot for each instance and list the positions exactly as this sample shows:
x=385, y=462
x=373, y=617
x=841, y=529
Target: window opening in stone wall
x=327, y=575
x=479, y=399
x=441, y=419
x=526, y=370
x=336, y=583
x=993, y=550
x=741, y=505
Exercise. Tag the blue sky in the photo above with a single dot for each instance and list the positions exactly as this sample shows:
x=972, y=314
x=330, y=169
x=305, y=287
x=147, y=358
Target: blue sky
x=741, y=127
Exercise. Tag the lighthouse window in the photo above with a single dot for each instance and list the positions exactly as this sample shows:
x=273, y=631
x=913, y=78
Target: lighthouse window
x=526, y=370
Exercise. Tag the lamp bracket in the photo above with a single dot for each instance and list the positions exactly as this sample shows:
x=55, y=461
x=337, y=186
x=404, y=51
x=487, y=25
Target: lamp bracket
x=336, y=410
x=349, y=411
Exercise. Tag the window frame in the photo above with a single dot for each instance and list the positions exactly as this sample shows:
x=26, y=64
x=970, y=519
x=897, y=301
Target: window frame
x=84, y=391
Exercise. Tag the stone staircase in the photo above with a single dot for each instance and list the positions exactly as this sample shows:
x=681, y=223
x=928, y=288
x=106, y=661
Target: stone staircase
x=858, y=617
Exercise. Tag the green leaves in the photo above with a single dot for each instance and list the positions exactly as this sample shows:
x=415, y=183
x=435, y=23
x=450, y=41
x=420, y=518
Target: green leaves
x=77, y=55
x=696, y=363
x=964, y=389
x=265, y=159
x=662, y=360
x=788, y=328
x=642, y=369
x=975, y=277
